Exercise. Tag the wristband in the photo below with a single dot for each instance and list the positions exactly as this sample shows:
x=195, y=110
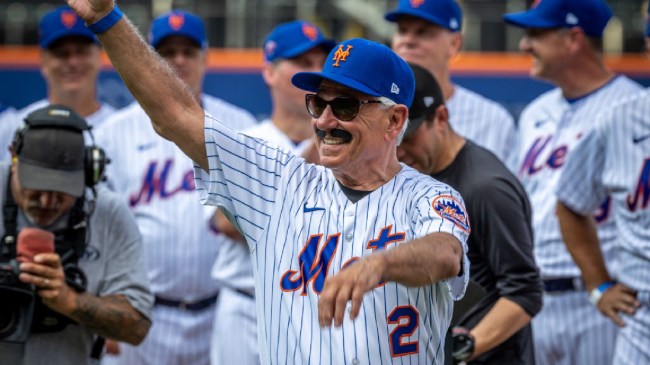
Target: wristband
x=596, y=293
x=107, y=22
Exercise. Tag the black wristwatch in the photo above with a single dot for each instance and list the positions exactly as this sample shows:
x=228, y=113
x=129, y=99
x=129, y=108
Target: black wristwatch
x=462, y=344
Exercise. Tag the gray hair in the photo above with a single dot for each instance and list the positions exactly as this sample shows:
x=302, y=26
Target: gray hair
x=387, y=103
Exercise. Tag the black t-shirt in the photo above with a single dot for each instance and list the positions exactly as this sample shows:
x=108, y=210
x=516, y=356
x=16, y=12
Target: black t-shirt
x=500, y=247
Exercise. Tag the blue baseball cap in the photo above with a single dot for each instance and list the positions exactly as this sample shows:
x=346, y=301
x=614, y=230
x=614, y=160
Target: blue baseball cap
x=292, y=39
x=590, y=15
x=445, y=13
x=62, y=22
x=365, y=66
x=178, y=23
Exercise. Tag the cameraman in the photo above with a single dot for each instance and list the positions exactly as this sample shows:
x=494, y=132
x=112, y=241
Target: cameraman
x=52, y=179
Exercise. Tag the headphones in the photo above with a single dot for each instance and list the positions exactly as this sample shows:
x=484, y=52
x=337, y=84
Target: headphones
x=94, y=156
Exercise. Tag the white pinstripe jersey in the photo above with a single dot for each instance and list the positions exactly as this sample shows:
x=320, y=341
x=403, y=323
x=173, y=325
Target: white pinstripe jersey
x=550, y=127
x=301, y=227
x=9, y=127
x=483, y=121
x=614, y=159
x=233, y=267
x=157, y=179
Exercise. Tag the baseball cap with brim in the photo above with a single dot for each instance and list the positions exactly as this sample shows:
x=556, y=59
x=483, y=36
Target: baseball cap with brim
x=445, y=13
x=365, y=66
x=426, y=99
x=294, y=38
x=62, y=22
x=51, y=151
x=178, y=23
x=590, y=15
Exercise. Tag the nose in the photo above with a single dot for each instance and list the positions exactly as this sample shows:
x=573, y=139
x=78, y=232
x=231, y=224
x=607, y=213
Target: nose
x=524, y=44
x=48, y=199
x=327, y=120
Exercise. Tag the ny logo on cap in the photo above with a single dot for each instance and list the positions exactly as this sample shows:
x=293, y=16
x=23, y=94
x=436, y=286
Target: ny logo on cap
x=68, y=19
x=416, y=3
x=176, y=21
x=310, y=31
x=341, y=55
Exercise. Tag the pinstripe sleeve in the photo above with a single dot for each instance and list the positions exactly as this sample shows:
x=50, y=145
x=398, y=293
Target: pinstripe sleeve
x=243, y=178
x=580, y=185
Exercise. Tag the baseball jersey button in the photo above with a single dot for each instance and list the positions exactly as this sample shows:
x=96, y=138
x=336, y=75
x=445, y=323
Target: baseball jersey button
x=356, y=362
x=348, y=237
x=350, y=213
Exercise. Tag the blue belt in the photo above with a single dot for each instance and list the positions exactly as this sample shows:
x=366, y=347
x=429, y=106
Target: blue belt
x=192, y=306
x=563, y=284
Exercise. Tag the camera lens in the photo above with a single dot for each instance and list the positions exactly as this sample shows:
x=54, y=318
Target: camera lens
x=9, y=318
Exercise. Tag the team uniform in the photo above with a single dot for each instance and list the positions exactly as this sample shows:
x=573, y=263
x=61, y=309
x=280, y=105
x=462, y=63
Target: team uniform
x=614, y=159
x=9, y=126
x=301, y=227
x=569, y=329
x=483, y=121
x=234, y=270
x=157, y=180
x=7, y=117
x=500, y=248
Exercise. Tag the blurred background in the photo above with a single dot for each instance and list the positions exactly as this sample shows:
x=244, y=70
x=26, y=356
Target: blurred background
x=244, y=23
x=490, y=63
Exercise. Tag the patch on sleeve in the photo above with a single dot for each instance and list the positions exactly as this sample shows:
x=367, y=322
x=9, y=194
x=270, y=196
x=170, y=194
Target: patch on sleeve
x=452, y=210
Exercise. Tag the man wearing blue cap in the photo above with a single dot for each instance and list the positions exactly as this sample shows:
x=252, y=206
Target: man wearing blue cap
x=429, y=34
x=70, y=65
x=564, y=37
x=362, y=242
x=291, y=47
x=155, y=178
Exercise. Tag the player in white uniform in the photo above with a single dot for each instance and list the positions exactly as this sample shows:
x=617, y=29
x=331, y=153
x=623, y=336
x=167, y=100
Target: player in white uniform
x=614, y=159
x=289, y=48
x=364, y=229
x=157, y=180
x=429, y=34
x=70, y=65
x=565, y=39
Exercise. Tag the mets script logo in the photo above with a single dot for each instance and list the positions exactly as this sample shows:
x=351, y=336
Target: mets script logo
x=68, y=19
x=176, y=21
x=640, y=198
x=416, y=3
x=341, y=55
x=451, y=209
x=310, y=31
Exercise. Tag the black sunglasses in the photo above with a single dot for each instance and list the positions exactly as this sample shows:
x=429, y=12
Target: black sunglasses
x=344, y=108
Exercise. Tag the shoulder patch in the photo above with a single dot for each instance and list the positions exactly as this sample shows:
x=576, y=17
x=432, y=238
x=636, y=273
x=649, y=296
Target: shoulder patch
x=452, y=210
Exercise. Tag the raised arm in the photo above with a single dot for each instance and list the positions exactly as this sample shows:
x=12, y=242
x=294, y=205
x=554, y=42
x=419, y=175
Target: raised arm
x=174, y=112
x=426, y=260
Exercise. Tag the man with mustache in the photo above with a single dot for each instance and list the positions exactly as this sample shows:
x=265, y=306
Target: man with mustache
x=565, y=40
x=356, y=261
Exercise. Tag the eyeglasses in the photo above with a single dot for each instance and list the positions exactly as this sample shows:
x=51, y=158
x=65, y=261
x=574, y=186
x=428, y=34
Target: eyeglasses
x=344, y=108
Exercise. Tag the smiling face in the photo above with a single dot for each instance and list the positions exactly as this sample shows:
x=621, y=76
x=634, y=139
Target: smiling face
x=550, y=49
x=71, y=66
x=363, y=144
x=186, y=58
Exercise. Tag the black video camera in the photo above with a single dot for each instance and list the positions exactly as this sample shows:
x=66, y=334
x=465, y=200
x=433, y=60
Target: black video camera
x=17, y=302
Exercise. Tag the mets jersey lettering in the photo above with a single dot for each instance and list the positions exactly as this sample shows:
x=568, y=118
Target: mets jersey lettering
x=155, y=183
x=639, y=199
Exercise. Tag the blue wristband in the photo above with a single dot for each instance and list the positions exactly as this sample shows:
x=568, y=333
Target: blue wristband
x=598, y=292
x=107, y=22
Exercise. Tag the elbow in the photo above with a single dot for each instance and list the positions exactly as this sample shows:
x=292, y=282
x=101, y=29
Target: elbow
x=139, y=333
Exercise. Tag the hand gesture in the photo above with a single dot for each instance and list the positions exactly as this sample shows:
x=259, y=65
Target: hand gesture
x=91, y=10
x=618, y=298
x=349, y=285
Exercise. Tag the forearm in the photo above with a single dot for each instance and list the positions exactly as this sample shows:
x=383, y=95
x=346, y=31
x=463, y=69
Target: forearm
x=500, y=323
x=169, y=103
x=424, y=261
x=581, y=239
x=110, y=317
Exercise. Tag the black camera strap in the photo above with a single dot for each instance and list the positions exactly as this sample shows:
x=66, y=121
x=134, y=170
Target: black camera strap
x=9, y=213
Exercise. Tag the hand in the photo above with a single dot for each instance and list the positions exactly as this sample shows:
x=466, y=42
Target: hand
x=112, y=347
x=349, y=284
x=46, y=274
x=91, y=10
x=618, y=298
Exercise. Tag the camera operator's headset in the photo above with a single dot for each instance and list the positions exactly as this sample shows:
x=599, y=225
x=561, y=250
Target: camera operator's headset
x=94, y=157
